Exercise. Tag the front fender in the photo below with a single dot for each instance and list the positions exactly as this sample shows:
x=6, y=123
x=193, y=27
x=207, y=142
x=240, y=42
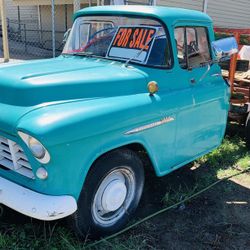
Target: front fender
x=77, y=133
x=66, y=122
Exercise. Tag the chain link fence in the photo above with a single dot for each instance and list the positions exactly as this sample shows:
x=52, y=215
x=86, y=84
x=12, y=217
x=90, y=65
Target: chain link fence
x=36, y=31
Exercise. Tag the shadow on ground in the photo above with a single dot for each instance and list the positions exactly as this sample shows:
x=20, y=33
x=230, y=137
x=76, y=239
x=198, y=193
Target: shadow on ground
x=217, y=219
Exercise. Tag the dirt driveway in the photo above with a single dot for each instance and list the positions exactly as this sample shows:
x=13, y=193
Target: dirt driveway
x=218, y=219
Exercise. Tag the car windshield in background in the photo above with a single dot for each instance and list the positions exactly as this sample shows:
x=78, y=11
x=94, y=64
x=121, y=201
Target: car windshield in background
x=129, y=39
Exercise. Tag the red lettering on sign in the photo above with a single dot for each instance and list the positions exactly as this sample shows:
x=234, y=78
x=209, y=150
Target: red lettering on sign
x=142, y=44
x=131, y=44
x=138, y=40
x=118, y=35
x=133, y=38
x=120, y=41
x=149, y=37
x=126, y=39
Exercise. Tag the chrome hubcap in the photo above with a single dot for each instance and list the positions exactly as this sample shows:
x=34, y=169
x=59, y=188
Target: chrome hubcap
x=113, y=196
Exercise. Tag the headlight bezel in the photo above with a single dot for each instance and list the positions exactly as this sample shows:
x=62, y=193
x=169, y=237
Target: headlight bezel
x=36, y=148
x=44, y=158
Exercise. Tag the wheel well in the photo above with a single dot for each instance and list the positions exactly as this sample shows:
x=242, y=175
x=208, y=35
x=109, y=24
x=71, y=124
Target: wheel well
x=142, y=153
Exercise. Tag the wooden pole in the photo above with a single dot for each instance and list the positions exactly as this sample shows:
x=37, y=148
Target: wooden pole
x=77, y=5
x=6, y=52
x=53, y=27
x=233, y=63
x=204, y=8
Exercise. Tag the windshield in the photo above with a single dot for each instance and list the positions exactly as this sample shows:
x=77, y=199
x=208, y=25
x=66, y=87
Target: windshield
x=129, y=39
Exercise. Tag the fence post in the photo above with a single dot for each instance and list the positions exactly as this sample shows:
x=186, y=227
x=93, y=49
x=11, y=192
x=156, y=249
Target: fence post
x=154, y=2
x=204, y=8
x=6, y=52
x=53, y=27
x=77, y=5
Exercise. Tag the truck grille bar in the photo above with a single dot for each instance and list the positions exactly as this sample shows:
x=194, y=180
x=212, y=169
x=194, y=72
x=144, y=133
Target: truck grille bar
x=13, y=158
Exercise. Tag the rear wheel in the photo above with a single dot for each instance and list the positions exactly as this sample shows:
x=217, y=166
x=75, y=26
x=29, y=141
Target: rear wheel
x=110, y=194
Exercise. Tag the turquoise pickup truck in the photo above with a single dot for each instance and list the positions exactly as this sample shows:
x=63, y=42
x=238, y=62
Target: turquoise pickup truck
x=130, y=79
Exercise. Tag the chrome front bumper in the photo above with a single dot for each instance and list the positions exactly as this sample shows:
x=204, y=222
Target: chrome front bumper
x=35, y=205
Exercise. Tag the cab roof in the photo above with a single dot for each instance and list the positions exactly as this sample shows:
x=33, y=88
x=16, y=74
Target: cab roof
x=166, y=14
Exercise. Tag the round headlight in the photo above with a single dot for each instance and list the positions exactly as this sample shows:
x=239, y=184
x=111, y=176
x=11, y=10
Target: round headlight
x=36, y=148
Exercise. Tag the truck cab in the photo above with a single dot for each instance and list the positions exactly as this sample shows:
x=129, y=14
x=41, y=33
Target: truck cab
x=130, y=79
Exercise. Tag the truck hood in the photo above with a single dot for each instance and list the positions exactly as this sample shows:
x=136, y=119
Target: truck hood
x=28, y=86
x=66, y=78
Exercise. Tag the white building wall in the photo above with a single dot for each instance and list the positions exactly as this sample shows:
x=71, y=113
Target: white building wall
x=225, y=13
x=230, y=13
x=27, y=12
x=187, y=4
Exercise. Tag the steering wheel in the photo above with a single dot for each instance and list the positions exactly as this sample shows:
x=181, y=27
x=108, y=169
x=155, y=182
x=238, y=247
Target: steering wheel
x=99, y=31
x=93, y=38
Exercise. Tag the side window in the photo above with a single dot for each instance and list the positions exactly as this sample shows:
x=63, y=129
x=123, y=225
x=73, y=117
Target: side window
x=195, y=50
x=180, y=43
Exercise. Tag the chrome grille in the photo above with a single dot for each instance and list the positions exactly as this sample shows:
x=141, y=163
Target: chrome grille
x=13, y=157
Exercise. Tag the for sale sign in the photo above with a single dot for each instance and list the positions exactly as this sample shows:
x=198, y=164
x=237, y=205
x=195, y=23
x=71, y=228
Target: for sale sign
x=132, y=42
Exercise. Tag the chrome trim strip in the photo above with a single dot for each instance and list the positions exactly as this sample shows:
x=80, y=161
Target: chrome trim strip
x=151, y=125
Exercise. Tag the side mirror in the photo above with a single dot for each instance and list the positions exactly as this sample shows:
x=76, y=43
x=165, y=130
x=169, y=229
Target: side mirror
x=66, y=36
x=225, y=48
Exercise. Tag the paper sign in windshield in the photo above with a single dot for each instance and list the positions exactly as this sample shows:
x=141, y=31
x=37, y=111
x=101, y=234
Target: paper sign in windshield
x=132, y=42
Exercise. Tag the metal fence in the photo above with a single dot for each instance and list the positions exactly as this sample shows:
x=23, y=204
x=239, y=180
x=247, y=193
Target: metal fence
x=36, y=31
x=27, y=40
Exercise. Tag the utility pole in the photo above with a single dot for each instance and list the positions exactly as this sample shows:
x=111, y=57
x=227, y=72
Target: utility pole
x=53, y=28
x=6, y=52
x=77, y=5
x=154, y=2
x=205, y=3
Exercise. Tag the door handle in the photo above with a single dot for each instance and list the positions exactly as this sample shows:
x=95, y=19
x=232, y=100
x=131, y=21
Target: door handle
x=216, y=75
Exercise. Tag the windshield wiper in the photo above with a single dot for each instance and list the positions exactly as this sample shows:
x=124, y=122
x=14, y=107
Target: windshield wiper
x=87, y=54
x=138, y=54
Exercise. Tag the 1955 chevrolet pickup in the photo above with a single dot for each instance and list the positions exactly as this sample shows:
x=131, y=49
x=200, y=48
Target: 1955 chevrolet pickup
x=129, y=79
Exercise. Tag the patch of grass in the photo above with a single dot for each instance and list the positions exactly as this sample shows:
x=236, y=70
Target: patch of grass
x=227, y=155
x=228, y=159
x=49, y=236
x=137, y=241
x=175, y=195
x=231, y=157
x=36, y=236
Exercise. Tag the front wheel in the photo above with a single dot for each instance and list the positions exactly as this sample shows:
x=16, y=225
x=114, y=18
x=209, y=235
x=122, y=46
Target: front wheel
x=110, y=194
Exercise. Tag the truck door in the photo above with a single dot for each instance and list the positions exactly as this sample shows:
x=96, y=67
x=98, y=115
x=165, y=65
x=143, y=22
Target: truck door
x=201, y=127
